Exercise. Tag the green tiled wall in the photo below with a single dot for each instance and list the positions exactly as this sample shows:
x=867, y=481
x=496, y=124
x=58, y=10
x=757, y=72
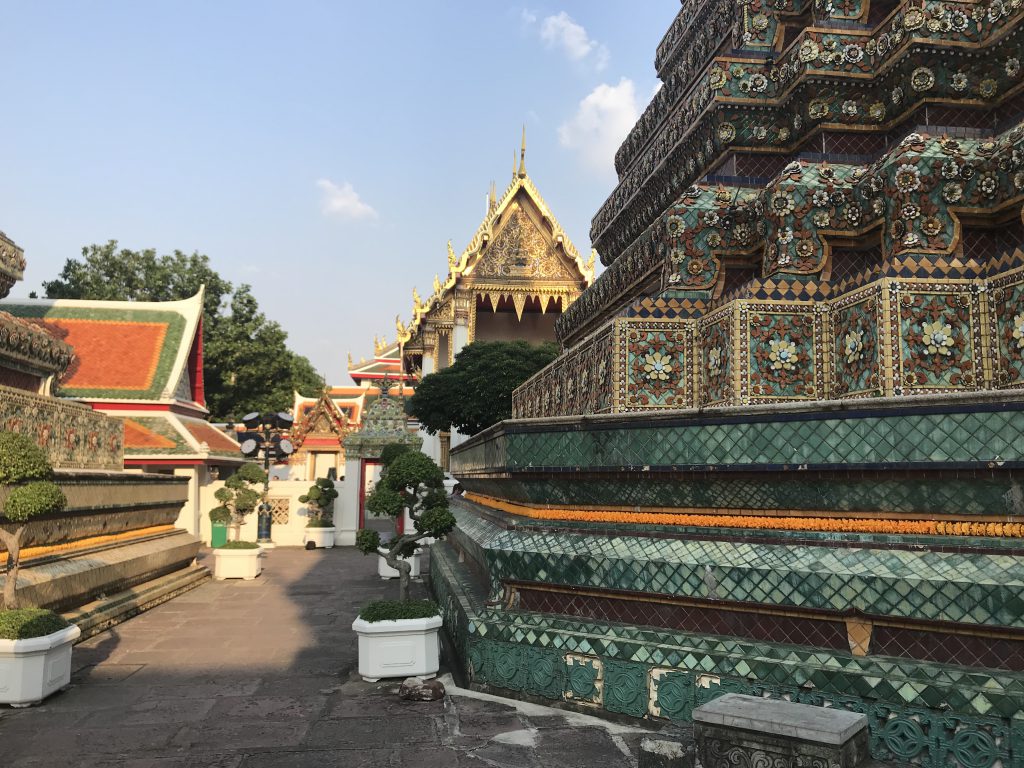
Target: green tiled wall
x=970, y=588
x=966, y=436
x=930, y=714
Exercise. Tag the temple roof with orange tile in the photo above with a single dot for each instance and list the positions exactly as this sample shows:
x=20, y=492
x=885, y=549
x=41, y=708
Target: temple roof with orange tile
x=124, y=350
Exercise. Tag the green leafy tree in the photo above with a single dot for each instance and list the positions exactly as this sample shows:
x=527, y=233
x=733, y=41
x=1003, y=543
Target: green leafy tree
x=409, y=481
x=241, y=494
x=476, y=390
x=25, y=472
x=248, y=366
x=319, y=498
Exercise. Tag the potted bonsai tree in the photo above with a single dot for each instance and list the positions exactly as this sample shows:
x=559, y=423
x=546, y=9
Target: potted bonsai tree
x=35, y=644
x=399, y=638
x=319, y=501
x=239, y=497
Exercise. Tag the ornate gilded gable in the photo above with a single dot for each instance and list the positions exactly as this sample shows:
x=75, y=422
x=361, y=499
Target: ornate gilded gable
x=522, y=250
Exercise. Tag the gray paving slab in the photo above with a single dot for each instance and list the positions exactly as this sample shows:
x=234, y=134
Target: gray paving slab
x=262, y=674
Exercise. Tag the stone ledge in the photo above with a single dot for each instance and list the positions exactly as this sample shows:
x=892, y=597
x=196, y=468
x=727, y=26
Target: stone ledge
x=822, y=725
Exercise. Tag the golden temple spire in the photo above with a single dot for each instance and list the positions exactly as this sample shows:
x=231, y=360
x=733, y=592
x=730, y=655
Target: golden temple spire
x=515, y=171
x=522, y=156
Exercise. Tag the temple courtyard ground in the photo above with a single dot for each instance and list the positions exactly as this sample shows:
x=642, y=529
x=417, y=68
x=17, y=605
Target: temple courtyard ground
x=262, y=674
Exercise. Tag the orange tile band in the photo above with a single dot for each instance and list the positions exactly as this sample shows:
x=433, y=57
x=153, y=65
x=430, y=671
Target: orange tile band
x=824, y=524
x=31, y=553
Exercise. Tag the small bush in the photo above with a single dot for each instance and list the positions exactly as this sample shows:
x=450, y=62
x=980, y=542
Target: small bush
x=392, y=451
x=40, y=497
x=220, y=515
x=239, y=545
x=367, y=541
x=320, y=522
x=390, y=610
x=24, y=623
x=21, y=460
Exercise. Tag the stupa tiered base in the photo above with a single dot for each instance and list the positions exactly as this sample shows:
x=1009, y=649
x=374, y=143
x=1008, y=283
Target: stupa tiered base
x=863, y=555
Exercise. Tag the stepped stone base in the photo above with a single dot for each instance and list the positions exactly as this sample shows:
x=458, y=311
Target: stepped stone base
x=83, y=575
x=100, y=615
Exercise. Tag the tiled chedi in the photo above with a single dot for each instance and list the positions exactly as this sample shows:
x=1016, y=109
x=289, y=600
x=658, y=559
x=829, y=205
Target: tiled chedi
x=780, y=452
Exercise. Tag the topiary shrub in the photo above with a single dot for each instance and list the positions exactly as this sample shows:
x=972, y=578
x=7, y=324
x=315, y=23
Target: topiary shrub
x=409, y=481
x=21, y=460
x=240, y=495
x=25, y=469
x=23, y=623
x=318, y=499
x=220, y=515
x=239, y=545
x=393, y=610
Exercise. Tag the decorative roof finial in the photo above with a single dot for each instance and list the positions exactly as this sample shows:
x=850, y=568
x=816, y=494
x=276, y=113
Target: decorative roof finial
x=515, y=171
x=492, y=200
x=522, y=156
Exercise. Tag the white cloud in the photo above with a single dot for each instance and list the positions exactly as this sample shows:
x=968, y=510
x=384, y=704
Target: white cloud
x=560, y=31
x=343, y=201
x=601, y=122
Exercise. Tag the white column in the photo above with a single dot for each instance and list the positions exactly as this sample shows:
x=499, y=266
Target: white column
x=190, y=514
x=346, y=506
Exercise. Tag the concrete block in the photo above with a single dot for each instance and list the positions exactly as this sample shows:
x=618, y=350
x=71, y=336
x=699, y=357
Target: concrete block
x=747, y=729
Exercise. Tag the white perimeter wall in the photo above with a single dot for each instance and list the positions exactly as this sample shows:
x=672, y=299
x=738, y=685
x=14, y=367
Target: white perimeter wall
x=293, y=534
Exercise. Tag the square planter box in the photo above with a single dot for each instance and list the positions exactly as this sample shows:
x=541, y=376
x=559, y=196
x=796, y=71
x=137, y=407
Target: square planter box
x=385, y=571
x=322, y=537
x=32, y=669
x=237, y=564
x=399, y=648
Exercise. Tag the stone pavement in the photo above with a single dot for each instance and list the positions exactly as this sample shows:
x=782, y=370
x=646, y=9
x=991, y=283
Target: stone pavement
x=262, y=674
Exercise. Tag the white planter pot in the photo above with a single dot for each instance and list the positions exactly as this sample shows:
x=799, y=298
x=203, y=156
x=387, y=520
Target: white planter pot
x=32, y=669
x=400, y=648
x=322, y=537
x=385, y=571
x=236, y=564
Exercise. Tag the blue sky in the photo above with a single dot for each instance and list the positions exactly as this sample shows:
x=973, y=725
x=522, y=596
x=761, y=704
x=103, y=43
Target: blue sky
x=324, y=152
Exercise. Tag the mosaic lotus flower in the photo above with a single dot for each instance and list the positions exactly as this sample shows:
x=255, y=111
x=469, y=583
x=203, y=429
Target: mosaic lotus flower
x=657, y=366
x=715, y=360
x=908, y=178
x=952, y=192
x=782, y=354
x=989, y=184
x=1018, y=329
x=938, y=338
x=959, y=81
x=782, y=204
x=922, y=79
x=854, y=346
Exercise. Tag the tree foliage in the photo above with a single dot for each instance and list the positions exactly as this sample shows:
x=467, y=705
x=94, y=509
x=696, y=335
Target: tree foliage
x=248, y=366
x=476, y=390
x=409, y=481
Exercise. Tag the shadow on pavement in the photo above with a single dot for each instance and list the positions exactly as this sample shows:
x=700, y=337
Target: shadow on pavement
x=262, y=674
